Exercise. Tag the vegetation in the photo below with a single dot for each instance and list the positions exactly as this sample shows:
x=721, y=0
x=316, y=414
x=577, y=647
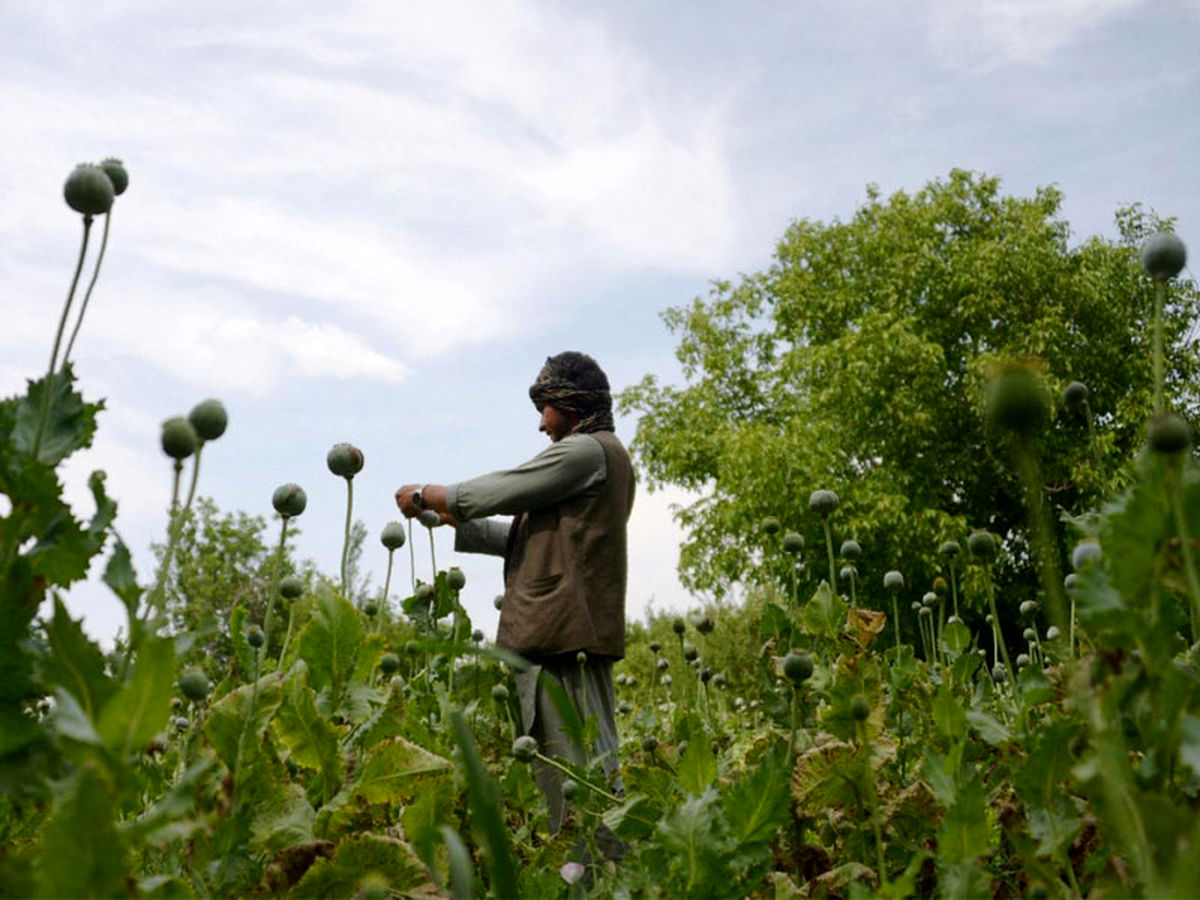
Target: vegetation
x=259, y=731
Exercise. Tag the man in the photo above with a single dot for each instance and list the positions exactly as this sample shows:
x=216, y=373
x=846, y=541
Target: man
x=564, y=557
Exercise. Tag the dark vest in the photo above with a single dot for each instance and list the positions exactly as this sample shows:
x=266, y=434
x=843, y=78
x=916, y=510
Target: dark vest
x=565, y=569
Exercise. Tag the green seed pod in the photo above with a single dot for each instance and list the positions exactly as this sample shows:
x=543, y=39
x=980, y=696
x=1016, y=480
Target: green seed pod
x=289, y=500
x=500, y=693
x=916, y=606
x=570, y=788
x=193, y=684
x=940, y=586
x=1022, y=660
x=182, y=723
x=426, y=593
x=860, y=709
x=950, y=549
x=455, y=579
x=1168, y=434
x=655, y=646
x=412, y=648
x=770, y=525
x=793, y=542
x=429, y=518
x=998, y=672
x=823, y=503
x=989, y=619
x=706, y=675
x=393, y=536
x=850, y=550
x=663, y=664
x=291, y=587
x=982, y=545
x=893, y=581
x=581, y=658
x=209, y=419
x=1017, y=401
x=1075, y=395
x=719, y=679
x=690, y=652
x=498, y=601
x=678, y=625
x=798, y=667
x=649, y=743
x=524, y=748
x=847, y=573
x=179, y=440
x=1163, y=255
x=389, y=663
x=115, y=170
x=1028, y=607
x=1052, y=633
x=929, y=598
x=1085, y=554
x=371, y=609
x=477, y=636
x=705, y=624
x=624, y=709
x=1029, y=634
x=924, y=612
x=344, y=460
x=254, y=636
x=666, y=681
x=89, y=190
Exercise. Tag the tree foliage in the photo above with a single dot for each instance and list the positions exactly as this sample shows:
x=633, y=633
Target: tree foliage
x=858, y=361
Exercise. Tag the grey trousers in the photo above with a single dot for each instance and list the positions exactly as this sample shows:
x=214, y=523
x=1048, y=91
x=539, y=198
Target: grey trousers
x=541, y=719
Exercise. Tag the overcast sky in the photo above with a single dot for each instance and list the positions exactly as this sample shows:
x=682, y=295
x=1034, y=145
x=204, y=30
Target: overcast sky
x=372, y=221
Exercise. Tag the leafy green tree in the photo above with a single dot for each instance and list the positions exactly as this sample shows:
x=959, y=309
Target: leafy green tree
x=858, y=361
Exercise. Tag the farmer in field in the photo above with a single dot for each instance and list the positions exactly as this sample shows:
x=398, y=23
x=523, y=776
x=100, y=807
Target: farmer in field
x=564, y=557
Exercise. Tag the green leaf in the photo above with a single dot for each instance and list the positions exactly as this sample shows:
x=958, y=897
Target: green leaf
x=487, y=813
x=154, y=825
x=824, y=614
x=243, y=709
x=82, y=851
x=71, y=720
x=698, y=768
x=755, y=807
x=693, y=832
x=1189, y=744
x=283, y=820
x=388, y=859
x=634, y=819
x=141, y=708
x=120, y=576
x=70, y=422
x=948, y=714
x=965, y=834
x=1054, y=826
x=330, y=645
x=988, y=728
x=75, y=663
x=956, y=637
x=310, y=739
x=388, y=776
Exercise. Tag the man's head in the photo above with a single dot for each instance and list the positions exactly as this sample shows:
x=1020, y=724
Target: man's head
x=576, y=388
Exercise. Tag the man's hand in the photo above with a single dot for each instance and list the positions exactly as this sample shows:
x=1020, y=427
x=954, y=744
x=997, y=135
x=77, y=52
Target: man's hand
x=433, y=496
x=404, y=500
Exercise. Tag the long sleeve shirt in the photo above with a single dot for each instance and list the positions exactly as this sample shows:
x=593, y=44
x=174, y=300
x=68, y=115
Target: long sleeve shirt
x=574, y=465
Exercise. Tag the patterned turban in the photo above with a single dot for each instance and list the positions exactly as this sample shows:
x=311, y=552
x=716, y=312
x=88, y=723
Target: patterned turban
x=574, y=382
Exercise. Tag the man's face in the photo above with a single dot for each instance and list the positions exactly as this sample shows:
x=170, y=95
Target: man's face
x=556, y=423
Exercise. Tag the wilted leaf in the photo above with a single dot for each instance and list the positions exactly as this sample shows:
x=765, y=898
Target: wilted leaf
x=387, y=776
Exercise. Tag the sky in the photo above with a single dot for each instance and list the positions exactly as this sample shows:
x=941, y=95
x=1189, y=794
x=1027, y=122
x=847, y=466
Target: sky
x=371, y=221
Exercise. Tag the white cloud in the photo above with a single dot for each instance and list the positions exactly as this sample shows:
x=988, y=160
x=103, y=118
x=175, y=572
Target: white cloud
x=983, y=34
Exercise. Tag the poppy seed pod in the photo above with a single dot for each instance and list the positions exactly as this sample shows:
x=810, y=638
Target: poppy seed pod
x=850, y=550
x=455, y=579
x=893, y=580
x=793, y=542
x=290, y=587
x=860, y=709
x=209, y=419
x=255, y=636
x=1017, y=401
x=344, y=460
x=950, y=549
x=982, y=545
x=1075, y=395
x=500, y=693
x=389, y=663
x=289, y=500
x=798, y=667
x=1168, y=434
x=393, y=536
x=823, y=502
x=194, y=685
x=1163, y=255
x=179, y=439
x=524, y=748
x=429, y=518
x=115, y=170
x=1086, y=553
x=770, y=525
x=89, y=190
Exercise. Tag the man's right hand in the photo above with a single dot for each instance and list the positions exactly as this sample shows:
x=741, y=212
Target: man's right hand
x=404, y=500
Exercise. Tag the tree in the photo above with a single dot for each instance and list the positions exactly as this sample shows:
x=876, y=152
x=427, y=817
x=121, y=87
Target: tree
x=858, y=361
